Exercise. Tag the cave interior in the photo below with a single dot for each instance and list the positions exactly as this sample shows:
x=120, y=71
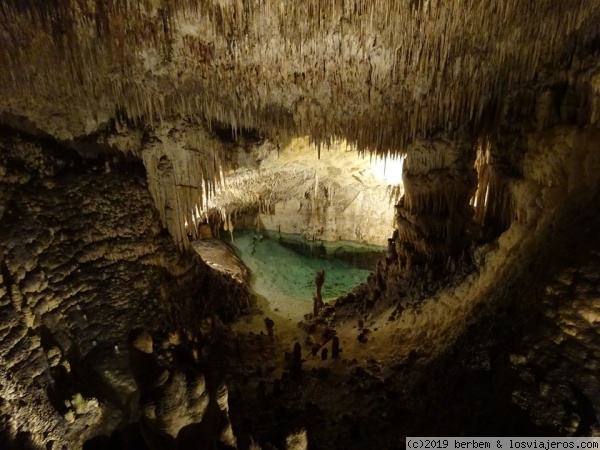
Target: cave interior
x=252, y=224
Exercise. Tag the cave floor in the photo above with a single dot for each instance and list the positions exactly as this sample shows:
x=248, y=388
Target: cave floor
x=283, y=284
x=400, y=382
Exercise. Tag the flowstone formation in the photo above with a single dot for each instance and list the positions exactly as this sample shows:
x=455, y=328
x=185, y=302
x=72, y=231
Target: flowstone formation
x=183, y=165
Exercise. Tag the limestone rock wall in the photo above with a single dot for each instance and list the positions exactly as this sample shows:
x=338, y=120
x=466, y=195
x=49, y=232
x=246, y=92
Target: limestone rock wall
x=329, y=194
x=351, y=214
x=182, y=405
x=83, y=259
x=539, y=328
x=183, y=167
x=557, y=361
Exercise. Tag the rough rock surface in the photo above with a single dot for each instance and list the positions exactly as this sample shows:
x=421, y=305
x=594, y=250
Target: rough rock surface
x=558, y=357
x=321, y=69
x=434, y=214
x=182, y=407
x=162, y=80
x=130, y=77
x=221, y=257
x=82, y=261
x=510, y=349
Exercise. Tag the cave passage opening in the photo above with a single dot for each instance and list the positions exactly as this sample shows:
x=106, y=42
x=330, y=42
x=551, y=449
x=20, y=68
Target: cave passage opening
x=289, y=210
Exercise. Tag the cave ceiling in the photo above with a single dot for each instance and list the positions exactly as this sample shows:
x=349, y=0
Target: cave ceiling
x=376, y=73
x=176, y=82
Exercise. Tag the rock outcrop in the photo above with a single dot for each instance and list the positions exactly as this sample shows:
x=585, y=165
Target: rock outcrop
x=558, y=356
x=83, y=260
x=498, y=118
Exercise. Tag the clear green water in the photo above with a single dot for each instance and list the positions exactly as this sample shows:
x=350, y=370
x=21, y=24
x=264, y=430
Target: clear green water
x=280, y=271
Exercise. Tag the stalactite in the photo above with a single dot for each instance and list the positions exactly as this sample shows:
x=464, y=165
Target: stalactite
x=434, y=211
x=101, y=39
x=448, y=67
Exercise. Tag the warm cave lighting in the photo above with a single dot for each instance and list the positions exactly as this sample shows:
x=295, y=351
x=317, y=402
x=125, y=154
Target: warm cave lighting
x=388, y=169
x=195, y=216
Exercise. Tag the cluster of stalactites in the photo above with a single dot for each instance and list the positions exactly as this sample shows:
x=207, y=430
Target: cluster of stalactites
x=184, y=171
x=249, y=192
x=449, y=187
x=341, y=68
x=501, y=157
x=494, y=209
x=434, y=213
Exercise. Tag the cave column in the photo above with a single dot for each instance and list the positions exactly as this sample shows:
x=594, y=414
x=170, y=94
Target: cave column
x=434, y=214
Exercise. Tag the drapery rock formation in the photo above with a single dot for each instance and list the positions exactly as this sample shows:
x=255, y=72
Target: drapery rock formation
x=183, y=166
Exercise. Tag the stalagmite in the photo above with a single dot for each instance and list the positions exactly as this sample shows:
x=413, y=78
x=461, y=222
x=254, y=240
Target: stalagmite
x=335, y=347
x=296, y=363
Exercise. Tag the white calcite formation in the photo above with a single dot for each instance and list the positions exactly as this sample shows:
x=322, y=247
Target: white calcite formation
x=376, y=73
x=183, y=166
x=293, y=189
x=196, y=177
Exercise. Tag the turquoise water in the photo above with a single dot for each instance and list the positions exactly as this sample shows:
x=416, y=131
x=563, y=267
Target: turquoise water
x=280, y=271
